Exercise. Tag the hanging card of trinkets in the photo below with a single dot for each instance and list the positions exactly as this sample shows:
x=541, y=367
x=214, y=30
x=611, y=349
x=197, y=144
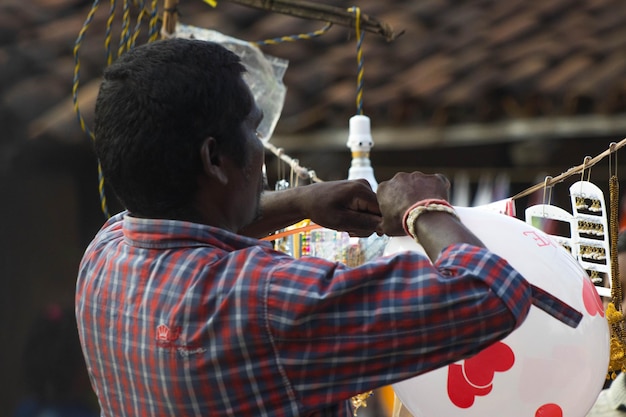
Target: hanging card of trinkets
x=591, y=234
x=584, y=232
x=539, y=214
x=554, y=221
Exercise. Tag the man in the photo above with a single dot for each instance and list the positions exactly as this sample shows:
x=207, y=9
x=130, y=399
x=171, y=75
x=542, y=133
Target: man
x=180, y=314
x=612, y=401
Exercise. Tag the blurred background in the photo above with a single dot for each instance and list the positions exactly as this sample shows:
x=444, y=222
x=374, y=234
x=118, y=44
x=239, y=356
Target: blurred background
x=495, y=94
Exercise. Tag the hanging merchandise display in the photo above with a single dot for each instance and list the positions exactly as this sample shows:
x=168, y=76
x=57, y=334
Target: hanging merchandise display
x=585, y=232
x=544, y=216
x=590, y=234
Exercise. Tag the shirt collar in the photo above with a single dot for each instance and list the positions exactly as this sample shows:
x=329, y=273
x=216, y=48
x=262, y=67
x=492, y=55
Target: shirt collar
x=165, y=234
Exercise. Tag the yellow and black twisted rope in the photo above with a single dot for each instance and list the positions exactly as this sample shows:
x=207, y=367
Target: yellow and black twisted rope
x=127, y=41
x=293, y=38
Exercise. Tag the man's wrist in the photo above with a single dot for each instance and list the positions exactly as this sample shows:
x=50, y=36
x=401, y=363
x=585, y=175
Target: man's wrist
x=424, y=206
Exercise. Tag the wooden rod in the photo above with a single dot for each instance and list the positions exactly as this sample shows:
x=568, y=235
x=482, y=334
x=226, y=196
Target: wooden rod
x=298, y=8
x=315, y=11
x=588, y=163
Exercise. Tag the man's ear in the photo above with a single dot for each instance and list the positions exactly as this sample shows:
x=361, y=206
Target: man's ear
x=212, y=160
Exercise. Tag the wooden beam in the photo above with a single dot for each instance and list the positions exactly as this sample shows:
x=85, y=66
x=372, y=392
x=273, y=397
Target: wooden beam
x=316, y=11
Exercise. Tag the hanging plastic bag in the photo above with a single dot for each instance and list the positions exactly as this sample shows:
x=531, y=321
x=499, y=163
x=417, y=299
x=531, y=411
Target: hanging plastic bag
x=264, y=73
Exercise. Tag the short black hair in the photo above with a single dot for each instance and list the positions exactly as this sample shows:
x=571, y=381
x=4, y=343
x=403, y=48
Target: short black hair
x=157, y=104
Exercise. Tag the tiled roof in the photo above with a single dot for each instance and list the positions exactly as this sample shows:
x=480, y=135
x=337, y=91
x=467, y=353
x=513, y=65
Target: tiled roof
x=458, y=61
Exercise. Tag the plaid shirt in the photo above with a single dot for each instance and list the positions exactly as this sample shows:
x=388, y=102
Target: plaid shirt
x=182, y=319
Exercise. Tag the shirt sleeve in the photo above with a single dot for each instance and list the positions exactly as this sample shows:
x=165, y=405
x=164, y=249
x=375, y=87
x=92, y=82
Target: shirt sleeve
x=338, y=331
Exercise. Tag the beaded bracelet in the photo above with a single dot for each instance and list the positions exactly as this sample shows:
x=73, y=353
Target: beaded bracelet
x=413, y=212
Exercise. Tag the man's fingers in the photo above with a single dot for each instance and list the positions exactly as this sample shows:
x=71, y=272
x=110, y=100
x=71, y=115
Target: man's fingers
x=359, y=224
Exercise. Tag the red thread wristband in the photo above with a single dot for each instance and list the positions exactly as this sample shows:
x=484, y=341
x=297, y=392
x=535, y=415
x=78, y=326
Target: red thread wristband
x=420, y=207
x=421, y=203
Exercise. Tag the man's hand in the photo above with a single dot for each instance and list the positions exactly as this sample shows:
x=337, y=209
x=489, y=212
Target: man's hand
x=348, y=206
x=435, y=230
x=403, y=190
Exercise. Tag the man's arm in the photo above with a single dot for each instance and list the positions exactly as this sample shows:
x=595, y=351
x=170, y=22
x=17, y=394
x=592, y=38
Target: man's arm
x=348, y=205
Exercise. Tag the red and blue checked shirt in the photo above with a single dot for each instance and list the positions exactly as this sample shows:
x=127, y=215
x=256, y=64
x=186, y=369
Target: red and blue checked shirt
x=180, y=319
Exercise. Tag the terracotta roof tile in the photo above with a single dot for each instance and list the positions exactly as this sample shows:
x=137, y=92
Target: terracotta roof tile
x=604, y=74
x=524, y=70
x=564, y=73
x=511, y=29
x=453, y=54
x=30, y=97
x=56, y=4
x=555, y=8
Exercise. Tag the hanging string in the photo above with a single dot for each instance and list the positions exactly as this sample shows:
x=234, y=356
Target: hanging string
x=109, y=33
x=280, y=168
x=360, y=35
x=582, y=173
x=293, y=38
x=546, y=202
x=125, y=34
x=137, y=29
x=300, y=171
x=75, y=84
x=127, y=41
x=279, y=152
x=153, y=29
x=547, y=191
x=152, y=16
x=294, y=164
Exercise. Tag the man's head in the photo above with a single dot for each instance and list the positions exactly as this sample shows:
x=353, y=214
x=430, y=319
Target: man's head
x=157, y=105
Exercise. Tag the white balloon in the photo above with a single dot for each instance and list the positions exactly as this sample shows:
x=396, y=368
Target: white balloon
x=544, y=368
